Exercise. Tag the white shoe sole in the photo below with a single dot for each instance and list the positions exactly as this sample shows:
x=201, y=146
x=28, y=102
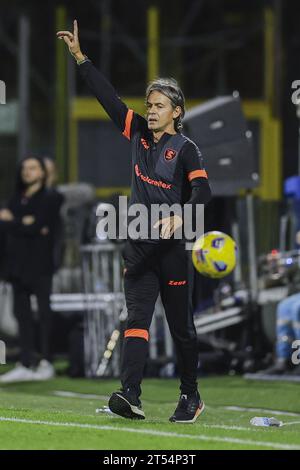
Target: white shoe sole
x=120, y=406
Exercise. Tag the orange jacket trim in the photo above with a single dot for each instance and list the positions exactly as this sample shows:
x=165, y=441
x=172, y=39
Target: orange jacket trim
x=128, y=122
x=135, y=333
x=197, y=174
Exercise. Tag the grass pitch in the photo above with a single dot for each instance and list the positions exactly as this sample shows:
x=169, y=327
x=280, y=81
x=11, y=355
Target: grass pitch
x=60, y=414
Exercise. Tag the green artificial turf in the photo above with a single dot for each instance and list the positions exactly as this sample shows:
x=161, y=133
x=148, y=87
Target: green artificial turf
x=59, y=422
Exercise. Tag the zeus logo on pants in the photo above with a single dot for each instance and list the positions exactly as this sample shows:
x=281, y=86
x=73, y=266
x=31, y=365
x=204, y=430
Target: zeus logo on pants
x=296, y=354
x=176, y=283
x=2, y=353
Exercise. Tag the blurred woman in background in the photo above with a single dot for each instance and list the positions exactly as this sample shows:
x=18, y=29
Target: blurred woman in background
x=29, y=223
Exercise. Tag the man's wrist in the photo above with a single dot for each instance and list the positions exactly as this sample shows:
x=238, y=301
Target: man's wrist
x=79, y=57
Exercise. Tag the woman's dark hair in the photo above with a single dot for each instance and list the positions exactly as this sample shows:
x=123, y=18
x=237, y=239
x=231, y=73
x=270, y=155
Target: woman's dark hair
x=170, y=88
x=20, y=186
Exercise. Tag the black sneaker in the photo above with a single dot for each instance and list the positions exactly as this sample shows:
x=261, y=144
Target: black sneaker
x=188, y=409
x=126, y=404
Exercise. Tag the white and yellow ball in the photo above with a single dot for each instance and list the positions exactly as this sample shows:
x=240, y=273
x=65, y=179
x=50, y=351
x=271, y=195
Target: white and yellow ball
x=214, y=254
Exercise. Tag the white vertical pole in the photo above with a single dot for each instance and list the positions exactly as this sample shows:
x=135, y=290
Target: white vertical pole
x=23, y=87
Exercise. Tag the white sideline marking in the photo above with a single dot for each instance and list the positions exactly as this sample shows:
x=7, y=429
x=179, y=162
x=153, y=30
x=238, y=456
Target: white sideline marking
x=228, y=428
x=85, y=396
x=88, y=396
x=260, y=410
x=155, y=433
x=292, y=422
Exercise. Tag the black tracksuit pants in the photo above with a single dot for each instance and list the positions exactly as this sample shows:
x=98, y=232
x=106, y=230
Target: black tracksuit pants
x=41, y=288
x=150, y=269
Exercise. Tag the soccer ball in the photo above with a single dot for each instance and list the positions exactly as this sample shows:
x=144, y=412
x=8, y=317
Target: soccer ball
x=214, y=254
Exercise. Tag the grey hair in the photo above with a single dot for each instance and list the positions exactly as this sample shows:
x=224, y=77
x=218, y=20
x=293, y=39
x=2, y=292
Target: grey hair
x=170, y=88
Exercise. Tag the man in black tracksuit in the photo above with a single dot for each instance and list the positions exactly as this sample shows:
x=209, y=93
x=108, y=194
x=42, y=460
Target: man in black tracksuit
x=166, y=168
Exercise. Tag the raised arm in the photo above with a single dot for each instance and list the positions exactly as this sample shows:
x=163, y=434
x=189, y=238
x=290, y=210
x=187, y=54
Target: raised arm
x=125, y=119
x=72, y=41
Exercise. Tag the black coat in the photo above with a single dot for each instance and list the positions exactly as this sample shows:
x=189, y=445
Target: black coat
x=29, y=253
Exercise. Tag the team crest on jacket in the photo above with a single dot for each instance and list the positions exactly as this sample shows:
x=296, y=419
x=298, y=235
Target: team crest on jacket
x=145, y=144
x=170, y=154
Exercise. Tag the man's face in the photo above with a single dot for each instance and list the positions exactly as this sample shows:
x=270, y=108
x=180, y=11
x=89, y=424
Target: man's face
x=31, y=172
x=160, y=112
